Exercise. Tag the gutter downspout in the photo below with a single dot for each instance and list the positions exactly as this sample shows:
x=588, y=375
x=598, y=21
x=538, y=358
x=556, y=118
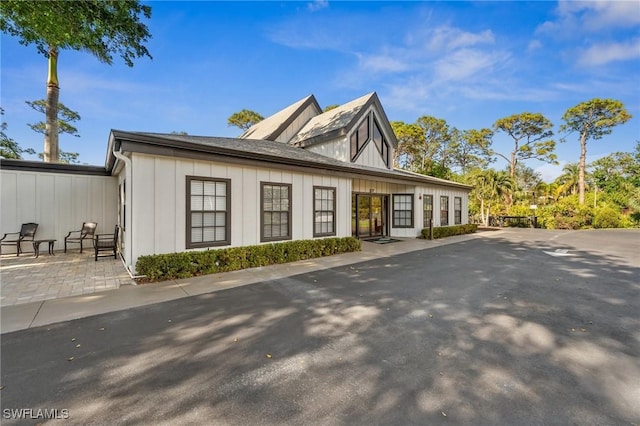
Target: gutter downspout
x=128, y=172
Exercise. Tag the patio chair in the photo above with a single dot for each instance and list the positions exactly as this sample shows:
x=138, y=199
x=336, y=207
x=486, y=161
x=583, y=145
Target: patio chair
x=106, y=242
x=77, y=237
x=27, y=233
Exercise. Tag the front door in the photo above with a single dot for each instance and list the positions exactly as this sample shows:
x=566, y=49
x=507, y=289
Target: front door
x=369, y=215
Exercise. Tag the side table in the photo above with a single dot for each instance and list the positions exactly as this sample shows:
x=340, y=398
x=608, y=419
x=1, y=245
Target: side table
x=36, y=246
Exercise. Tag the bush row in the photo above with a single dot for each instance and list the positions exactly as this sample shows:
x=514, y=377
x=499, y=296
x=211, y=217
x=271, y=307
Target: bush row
x=449, y=231
x=193, y=263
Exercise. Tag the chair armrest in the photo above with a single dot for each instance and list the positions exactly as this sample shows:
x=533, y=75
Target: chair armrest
x=72, y=232
x=9, y=233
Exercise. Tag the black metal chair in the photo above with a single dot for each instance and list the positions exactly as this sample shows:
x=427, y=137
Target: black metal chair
x=77, y=237
x=106, y=242
x=27, y=233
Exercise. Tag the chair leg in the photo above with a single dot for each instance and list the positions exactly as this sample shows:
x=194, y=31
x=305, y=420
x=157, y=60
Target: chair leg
x=18, y=250
x=80, y=245
x=65, y=245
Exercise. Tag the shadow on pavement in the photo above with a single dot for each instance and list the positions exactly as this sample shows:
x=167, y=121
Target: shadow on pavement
x=488, y=331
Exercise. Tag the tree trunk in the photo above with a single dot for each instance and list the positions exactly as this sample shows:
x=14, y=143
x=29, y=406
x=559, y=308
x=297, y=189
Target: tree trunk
x=512, y=172
x=51, y=154
x=582, y=166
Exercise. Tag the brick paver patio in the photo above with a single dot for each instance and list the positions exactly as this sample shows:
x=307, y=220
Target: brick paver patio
x=25, y=279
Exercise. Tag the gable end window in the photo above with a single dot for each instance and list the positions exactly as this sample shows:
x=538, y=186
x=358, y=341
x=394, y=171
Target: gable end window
x=359, y=138
x=427, y=207
x=457, y=210
x=208, y=212
x=324, y=211
x=275, y=217
x=444, y=210
x=381, y=143
x=403, y=210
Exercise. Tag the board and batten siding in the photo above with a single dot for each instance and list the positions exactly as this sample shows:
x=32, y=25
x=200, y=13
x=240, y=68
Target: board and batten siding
x=159, y=204
x=370, y=156
x=385, y=188
x=297, y=124
x=337, y=148
x=57, y=202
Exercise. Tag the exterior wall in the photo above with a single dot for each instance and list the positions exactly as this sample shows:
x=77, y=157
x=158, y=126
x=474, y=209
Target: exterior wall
x=158, y=202
x=376, y=187
x=57, y=202
x=370, y=156
x=297, y=124
x=338, y=149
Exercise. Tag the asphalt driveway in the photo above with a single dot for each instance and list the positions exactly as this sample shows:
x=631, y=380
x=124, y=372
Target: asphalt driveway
x=517, y=327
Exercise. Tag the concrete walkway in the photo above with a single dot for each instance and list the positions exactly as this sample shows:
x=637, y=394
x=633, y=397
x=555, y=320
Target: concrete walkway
x=45, y=312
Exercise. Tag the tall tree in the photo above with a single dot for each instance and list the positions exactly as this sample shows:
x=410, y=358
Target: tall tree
x=471, y=149
x=434, y=154
x=8, y=147
x=66, y=116
x=530, y=133
x=244, y=119
x=103, y=28
x=592, y=119
x=410, y=137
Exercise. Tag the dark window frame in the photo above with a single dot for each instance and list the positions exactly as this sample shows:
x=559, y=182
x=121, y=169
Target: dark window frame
x=289, y=236
x=393, y=211
x=383, y=148
x=324, y=234
x=359, y=144
x=204, y=244
x=457, y=212
x=444, y=222
x=425, y=219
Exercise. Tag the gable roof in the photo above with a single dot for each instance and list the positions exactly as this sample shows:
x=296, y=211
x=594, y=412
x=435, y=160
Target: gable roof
x=339, y=122
x=243, y=151
x=273, y=126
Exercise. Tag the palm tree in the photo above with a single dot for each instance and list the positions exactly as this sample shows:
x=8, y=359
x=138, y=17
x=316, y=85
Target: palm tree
x=569, y=179
x=490, y=188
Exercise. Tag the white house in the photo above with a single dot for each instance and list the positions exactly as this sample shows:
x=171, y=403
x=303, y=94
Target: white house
x=298, y=174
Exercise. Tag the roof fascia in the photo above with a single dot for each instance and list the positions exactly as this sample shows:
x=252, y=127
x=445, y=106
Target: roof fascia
x=311, y=100
x=145, y=144
x=62, y=168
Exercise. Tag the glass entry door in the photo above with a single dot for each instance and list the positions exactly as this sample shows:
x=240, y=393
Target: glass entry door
x=369, y=215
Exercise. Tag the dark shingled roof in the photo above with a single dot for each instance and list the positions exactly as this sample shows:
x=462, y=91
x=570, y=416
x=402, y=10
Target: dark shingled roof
x=258, y=150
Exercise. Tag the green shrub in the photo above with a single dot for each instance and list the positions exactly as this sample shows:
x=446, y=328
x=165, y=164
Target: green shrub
x=449, y=231
x=193, y=263
x=566, y=214
x=606, y=217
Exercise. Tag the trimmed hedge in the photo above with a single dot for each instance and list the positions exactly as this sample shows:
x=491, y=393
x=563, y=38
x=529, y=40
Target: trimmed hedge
x=449, y=231
x=193, y=263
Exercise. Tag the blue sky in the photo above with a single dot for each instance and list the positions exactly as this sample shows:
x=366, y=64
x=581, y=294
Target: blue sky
x=469, y=63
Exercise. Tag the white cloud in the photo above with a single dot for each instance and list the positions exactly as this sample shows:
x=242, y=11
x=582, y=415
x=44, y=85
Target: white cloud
x=534, y=45
x=317, y=5
x=576, y=17
x=603, y=53
x=382, y=63
x=447, y=38
x=465, y=63
x=603, y=13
